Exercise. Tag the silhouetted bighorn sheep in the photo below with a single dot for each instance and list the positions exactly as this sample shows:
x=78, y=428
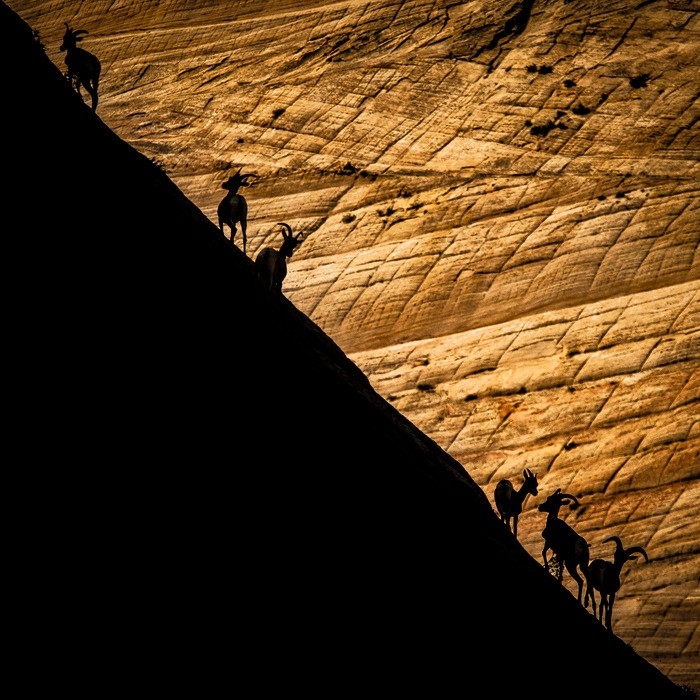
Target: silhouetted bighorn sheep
x=570, y=548
x=83, y=68
x=233, y=208
x=509, y=502
x=271, y=264
x=604, y=576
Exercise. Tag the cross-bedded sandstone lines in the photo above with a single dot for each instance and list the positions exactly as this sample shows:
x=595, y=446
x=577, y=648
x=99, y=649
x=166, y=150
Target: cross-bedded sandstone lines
x=481, y=252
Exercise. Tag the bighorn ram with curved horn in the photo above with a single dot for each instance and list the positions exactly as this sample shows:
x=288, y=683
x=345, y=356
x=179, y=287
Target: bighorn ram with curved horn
x=83, y=68
x=233, y=208
x=604, y=576
x=271, y=264
x=570, y=548
x=509, y=501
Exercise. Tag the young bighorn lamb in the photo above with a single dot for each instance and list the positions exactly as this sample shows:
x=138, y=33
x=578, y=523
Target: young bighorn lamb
x=83, y=68
x=604, y=576
x=509, y=502
x=271, y=264
x=570, y=548
x=233, y=208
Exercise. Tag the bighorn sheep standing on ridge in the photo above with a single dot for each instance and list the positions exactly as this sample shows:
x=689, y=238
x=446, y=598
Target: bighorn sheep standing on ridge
x=570, y=548
x=509, y=502
x=233, y=208
x=83, y=68
x=604, y=576
x=271, y=264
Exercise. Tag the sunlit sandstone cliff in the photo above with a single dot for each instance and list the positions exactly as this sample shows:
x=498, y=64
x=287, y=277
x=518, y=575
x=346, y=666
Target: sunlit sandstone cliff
x=501, y=217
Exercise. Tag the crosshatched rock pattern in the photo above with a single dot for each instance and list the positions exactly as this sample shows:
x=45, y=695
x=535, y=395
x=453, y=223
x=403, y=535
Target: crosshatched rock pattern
x=501, y=208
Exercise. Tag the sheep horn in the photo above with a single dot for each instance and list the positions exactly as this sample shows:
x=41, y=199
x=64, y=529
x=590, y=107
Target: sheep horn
x=636, y=550
x=286, y=229
x=568, y=495
x=616, y=540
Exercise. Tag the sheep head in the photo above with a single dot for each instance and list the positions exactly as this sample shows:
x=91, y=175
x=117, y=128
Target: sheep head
x=71, y=37
x=556, y=500
x=530, y=481
x=290, y=240
x=622, y=555
x=237, y=180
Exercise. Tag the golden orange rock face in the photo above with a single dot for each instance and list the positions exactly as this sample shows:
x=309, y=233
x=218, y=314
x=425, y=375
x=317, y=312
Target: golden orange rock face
x=501, y=211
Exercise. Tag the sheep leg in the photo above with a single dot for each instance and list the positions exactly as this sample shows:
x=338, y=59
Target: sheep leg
x=571, y=568
x=608, y=612
x=93, y=94
x=590, y=593
x=603, y=606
